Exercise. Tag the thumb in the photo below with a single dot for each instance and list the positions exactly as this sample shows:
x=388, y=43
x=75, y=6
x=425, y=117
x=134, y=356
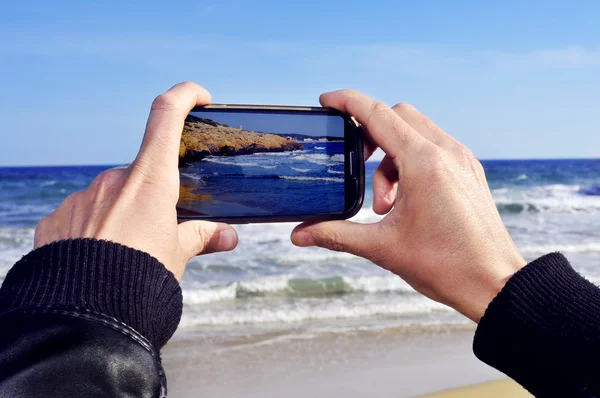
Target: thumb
x=342, y=236
x=203, y=237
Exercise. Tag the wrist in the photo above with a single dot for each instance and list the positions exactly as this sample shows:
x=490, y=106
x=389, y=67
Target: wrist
x=488, y=286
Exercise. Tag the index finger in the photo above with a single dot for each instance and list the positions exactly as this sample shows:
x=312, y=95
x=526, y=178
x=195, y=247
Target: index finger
x=385, y=128
x=160, y=147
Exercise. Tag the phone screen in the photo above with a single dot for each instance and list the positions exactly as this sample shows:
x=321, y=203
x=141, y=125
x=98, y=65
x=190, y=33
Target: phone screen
x=240, y=164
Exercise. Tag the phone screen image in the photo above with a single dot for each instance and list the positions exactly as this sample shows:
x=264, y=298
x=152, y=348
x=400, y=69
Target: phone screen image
x=253, y=164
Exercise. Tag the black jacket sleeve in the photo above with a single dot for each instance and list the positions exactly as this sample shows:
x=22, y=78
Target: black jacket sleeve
x=86, y=318
x=543, y=330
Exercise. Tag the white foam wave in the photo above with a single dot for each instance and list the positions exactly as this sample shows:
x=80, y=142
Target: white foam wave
x=243, y=164
x=522, y=177
x=326, y=179
x=300, y=170
x=208, y=295
x=300, y=311
x=321, y=158
x=556, y=198
x=590, y=247
x=275, y=153
x=285, y=283
x=14, y=243
x=366, y=215
x=319, y=147
x=195, y=177
x=48, y=183
x=377, y=284
x=330, y=171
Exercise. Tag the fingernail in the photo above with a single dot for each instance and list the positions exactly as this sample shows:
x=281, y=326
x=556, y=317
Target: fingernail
x=227, y=239
x=302, y=238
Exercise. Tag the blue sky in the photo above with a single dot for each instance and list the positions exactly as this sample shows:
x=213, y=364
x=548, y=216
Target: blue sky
x=510, y=79
x=308, y=124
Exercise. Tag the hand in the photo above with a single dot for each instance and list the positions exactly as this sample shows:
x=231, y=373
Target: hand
x=136, y=206
x=442, y=233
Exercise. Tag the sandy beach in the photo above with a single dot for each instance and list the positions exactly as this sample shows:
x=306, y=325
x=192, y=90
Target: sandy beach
x=492, y=389
x=383, y=363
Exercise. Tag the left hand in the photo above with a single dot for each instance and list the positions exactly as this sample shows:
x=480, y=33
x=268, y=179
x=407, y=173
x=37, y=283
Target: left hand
x=135, y=206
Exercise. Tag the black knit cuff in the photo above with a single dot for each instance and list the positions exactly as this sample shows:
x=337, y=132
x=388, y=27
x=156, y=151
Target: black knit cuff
x=105, y=277
x=543, y=317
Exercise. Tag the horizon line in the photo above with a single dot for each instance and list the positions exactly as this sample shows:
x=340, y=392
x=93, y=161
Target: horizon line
x=368, y=161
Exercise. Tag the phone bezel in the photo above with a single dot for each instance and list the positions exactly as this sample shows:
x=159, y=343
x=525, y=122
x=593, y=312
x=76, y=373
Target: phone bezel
x=354, y=186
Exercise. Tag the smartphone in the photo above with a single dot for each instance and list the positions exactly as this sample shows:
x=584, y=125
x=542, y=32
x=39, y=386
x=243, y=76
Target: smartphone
x=254, y=163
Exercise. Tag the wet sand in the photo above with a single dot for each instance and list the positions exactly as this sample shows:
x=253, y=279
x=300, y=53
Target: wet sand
x=382, y=363
x=493, y=389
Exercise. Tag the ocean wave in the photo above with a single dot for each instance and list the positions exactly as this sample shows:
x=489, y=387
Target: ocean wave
x=522, y=177
x=330, y=171
x=321, y=158
x=301, y=311
x=319, y=147
x=300, y=170
x=590, y=247
x=326, y=179
x=289, y=286
x=275, y=153
x=593, y=190
x=14, y=243
x=517, y=208
x=548, y=205
x=366, y=215
x=556, y=198
x=241, y=164
x=195, y=177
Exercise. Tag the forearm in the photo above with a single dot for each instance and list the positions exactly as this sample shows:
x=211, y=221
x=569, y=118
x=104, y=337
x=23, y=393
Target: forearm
x=543, y=330
x=90, y=311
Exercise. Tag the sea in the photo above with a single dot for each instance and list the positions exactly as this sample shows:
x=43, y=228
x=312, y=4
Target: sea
x=305, y=181
x=267, y=284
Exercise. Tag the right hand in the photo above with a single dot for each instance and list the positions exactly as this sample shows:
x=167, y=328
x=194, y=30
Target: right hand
x=442, y=233
x=136, y=206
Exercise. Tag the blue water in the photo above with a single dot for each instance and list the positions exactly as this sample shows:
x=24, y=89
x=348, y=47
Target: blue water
x=281, y=183
x=546, y=205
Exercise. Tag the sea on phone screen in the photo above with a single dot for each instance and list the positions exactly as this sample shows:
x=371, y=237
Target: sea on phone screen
x=226, y=171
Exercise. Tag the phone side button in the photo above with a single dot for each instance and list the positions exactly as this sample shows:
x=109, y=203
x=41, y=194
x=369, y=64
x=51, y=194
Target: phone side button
x=352, y=164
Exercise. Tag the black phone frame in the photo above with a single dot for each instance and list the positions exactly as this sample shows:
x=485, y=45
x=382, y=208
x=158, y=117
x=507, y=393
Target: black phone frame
x=354, y=186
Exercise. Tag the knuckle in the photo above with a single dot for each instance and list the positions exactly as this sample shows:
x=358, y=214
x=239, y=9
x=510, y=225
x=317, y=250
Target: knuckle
x=378, y=111
x=465, y=153
x=44, y=231
x=404, y=108
x=350, y=92
x=435, y=163
x=108, y=178
x=165, y=102
x=41, y=227
x=335, y=241
x=203, y=238
x=478, y=167
x=188, y=85
x=378, y=108
x=142, y=171
x=72, y=199
x=466, y=157
x=163, y=182
x=433, y=153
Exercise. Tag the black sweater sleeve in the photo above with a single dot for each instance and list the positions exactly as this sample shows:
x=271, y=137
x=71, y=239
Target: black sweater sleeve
x=86, y=317
x=543, y=330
